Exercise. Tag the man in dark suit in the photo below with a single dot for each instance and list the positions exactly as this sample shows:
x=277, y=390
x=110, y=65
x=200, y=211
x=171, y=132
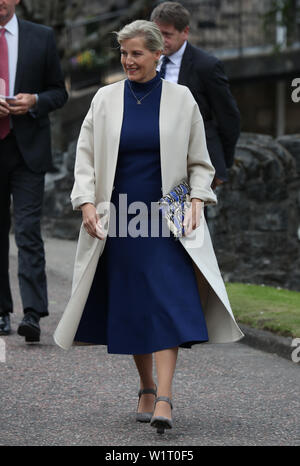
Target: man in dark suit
x=30, y=71
x=204, y=75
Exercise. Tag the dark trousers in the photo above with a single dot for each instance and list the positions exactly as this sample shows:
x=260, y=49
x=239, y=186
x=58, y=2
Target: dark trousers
x=26, y=189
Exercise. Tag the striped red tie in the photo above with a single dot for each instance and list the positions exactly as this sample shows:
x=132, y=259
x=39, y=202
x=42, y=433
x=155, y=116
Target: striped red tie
x=4, y=80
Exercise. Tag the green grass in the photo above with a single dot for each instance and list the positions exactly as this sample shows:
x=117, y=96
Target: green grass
x=265, y=307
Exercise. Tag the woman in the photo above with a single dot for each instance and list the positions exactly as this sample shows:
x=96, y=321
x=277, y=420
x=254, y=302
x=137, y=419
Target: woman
x=140, y=294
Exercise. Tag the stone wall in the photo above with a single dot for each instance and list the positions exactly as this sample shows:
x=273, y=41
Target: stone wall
x=256, y=225
x=257, y=101
x=229, y=23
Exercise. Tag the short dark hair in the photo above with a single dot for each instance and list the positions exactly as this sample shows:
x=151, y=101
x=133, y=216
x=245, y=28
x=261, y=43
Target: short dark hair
x=171, y=13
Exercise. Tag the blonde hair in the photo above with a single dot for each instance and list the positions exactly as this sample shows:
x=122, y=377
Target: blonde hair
x=146, y=29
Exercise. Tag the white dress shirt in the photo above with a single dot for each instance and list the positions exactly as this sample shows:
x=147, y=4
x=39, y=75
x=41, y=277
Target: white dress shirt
x=12, y=39
x=173, y=67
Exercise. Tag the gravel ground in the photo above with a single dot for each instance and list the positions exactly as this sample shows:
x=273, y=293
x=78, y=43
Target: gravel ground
x=226, y=394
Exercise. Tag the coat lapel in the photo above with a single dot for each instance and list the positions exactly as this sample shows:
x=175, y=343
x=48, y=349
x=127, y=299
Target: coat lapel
x=186, y=65
x=163, y=118
x=167, y=110
x=22, y=53
x=115, y=120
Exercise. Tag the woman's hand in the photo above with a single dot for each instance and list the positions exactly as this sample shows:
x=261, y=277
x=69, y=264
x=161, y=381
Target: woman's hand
x=192, y=216
x=91, y=221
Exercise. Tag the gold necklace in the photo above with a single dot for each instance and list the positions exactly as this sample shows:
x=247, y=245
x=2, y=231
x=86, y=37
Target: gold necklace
x=139, y=101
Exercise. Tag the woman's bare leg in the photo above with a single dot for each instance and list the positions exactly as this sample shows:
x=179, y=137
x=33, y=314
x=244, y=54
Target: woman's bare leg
x=165, y=367
x=144, y=366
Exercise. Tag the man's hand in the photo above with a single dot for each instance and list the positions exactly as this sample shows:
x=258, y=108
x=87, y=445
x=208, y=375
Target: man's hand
x=192, y=216
x=22, y=104
x=4, y=108
x=216, y=182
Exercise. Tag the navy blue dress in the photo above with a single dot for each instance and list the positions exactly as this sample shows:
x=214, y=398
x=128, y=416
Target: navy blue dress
x=144, y=296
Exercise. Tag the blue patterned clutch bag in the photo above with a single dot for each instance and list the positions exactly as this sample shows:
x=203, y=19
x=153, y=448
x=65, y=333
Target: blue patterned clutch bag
x=173, y=206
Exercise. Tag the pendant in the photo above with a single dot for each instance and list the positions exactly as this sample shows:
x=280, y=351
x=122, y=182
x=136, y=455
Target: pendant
x=138, y=102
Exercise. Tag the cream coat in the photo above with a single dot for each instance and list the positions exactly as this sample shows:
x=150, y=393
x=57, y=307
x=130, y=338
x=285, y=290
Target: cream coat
x=183, y=155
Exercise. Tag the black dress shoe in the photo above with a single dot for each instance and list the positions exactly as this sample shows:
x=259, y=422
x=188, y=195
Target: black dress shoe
x=5, y=328
x=29, y=327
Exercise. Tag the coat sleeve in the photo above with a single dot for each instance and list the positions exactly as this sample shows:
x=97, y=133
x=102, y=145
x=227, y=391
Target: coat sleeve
x=84, y=173
x=54, y=94
x=225, y=110
x=199, y=167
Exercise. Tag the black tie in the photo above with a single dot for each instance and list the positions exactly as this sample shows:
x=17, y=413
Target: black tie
x=164, y=66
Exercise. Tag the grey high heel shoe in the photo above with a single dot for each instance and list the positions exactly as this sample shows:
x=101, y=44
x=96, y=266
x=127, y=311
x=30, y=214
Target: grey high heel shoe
x=161, y=422
x=145, y=417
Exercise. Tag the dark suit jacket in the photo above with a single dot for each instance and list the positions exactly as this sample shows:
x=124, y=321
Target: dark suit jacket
x=204, y=75
x=38, y=72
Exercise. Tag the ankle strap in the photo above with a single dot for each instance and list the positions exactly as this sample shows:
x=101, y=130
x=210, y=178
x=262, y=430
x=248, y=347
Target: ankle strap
x=144, y=391
x=164, y=398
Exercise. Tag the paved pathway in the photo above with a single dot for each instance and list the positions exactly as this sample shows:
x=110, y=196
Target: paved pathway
x=227, y=394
